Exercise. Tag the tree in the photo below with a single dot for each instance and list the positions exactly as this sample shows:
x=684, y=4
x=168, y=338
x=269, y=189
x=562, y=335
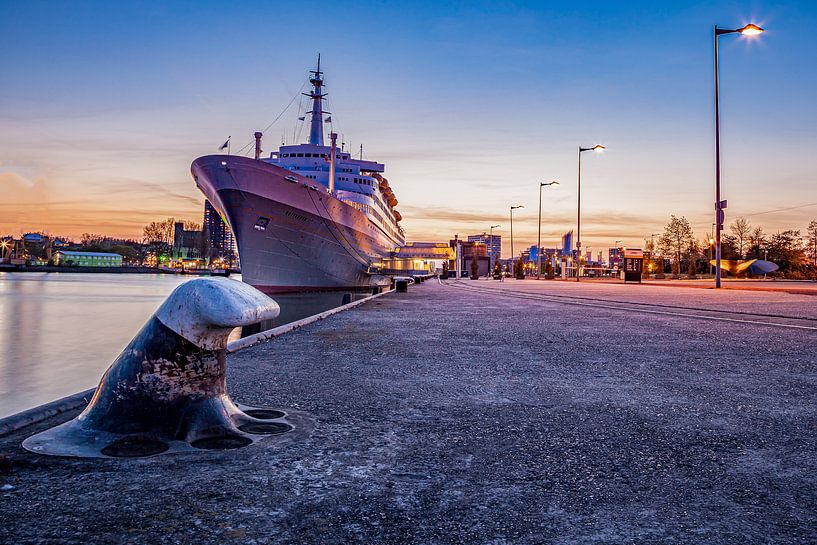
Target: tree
x=91, y=238
x=445, y=269
x=474, y=267
x=811, y=233
x=692, y=256
x=729, y=247
x=128, y=253
x=160, y=231
x=757, y=241
x=675, y=241
x=741, y=231
x=786, y=250
x=497, y=268
x=519, y=269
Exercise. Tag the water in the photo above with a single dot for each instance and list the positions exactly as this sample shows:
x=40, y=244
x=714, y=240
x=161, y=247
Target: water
x=59, y=332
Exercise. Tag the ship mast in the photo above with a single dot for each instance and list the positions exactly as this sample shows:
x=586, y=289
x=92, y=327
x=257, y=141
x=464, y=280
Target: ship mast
x=316, y=127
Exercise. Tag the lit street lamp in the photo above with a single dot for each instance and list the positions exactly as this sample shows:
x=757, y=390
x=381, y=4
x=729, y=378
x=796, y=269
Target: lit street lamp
x=491, y=251
x=512, y=254
x=748, y=30
x=652, y=249
x=596, y=148
x=539, y=239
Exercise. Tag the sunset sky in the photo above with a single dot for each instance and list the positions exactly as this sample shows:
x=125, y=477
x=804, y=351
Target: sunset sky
x=103, y=106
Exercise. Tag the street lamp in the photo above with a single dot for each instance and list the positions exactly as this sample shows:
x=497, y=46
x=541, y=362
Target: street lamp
x=748, y=30
x=491, y=251
x=652, y=249
x=595, y=148
x=512, y=209
x=539, y=239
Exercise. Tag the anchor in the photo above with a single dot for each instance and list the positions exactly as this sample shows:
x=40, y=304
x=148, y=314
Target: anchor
x=167, y=390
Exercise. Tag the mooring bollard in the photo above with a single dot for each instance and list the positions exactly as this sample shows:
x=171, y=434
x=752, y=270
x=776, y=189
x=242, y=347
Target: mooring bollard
x=402, y=286
x=168, y=387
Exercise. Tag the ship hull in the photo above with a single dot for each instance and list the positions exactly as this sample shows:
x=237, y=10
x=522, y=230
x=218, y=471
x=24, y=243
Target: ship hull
x=292, y=235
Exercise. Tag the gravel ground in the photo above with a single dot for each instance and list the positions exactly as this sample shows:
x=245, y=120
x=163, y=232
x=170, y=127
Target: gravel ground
x=446, y=416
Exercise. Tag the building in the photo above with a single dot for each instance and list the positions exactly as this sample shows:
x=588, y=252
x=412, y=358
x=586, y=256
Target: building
x=493, y=244
x=88, y=259
x=219, y=237
x=187, y=243
x=468, y=251
x=615, y=255
x=567, y=244
x=418, y=258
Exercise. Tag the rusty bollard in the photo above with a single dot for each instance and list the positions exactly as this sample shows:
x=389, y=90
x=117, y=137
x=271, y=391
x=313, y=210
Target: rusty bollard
x=167, y=389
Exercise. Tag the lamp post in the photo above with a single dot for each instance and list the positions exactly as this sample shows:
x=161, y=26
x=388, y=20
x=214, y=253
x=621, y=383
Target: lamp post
x=596, y=148
x=491, y=251
x=748, y=30
x=539, y=238
x=512, y=254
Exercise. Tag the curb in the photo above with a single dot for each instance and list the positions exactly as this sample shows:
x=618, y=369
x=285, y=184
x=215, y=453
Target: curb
x=31, y=416
x=37, y=414
x=258, y=338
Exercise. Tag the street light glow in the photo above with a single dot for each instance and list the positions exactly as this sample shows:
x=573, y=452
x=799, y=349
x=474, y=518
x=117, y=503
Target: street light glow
x=599, y=147
x=748, y=30
x=751, y=30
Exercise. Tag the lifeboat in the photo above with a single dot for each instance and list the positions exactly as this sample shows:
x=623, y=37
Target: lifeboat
x=392, y=200
x=397, y=216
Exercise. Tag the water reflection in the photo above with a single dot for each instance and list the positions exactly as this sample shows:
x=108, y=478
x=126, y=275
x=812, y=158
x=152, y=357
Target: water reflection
x=60, y=331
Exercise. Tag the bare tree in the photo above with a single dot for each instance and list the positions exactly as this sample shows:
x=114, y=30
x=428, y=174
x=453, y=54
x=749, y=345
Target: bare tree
x=811, y=233
x=676, y=240
x=160, y=231
x=742, y=231
x=757, y=240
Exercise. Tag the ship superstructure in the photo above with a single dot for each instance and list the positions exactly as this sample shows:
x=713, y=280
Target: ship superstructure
x=309, y=216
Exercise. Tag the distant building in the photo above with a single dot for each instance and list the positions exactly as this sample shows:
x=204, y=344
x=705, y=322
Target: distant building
x=493, y=244
x=88, y=259
x=425, y=250
x=615, y=255
x=567, y=244
x=418, y=258
x=469, y=250
x=187, y=243
x=219, y=237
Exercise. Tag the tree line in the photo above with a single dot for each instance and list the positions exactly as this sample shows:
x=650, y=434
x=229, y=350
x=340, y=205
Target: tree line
x=793, y=251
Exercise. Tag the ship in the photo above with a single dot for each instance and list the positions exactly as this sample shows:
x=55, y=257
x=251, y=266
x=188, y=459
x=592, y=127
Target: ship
x=309, y=217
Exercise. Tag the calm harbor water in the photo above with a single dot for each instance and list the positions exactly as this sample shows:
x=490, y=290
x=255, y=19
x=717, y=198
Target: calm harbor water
x=59, y=332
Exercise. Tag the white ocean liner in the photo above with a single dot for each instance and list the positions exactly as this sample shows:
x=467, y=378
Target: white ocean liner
x=309, y=217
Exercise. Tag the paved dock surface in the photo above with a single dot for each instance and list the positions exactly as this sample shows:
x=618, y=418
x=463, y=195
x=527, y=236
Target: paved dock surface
x=461, y=414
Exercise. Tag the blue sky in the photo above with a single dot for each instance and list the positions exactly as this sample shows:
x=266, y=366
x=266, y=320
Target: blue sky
x=104, y=105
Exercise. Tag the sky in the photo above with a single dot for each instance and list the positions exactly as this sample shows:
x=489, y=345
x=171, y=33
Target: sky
x=103, y=106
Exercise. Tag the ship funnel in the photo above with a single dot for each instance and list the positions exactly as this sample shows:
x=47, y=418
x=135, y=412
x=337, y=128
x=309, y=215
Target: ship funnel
x=167, y=391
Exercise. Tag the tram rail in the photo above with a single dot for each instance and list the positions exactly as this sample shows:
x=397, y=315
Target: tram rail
x=663, y=309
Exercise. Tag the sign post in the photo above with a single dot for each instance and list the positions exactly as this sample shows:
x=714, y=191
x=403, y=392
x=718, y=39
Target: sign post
x=633, y=265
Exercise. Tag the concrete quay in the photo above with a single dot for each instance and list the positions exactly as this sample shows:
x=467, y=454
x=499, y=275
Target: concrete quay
x=477, y=412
